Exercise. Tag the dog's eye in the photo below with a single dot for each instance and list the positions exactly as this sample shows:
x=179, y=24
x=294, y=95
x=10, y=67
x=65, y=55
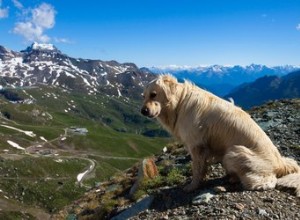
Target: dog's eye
x=152, y=95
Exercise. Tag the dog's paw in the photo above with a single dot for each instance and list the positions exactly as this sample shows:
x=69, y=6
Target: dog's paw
x=191, y=187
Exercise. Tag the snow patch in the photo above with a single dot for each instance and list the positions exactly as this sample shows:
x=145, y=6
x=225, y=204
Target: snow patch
x=15, y=145
x=44, y=139
x=28, y=133
x=119, y=93
x=37, y=46
x=81, y=175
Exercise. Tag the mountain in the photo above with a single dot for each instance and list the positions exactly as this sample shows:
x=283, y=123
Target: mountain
x=45, y=64
x=66, y=125
x=267, y=88
x=222, y=79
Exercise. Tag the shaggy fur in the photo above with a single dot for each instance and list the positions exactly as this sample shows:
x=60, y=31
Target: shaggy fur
x=214, y=130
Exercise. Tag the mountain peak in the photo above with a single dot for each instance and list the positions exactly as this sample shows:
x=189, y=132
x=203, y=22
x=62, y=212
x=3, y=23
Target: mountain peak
x=37, y=46
x=41, y=47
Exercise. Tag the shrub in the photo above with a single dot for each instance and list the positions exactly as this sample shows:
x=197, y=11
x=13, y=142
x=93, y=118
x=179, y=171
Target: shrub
x=175, y=177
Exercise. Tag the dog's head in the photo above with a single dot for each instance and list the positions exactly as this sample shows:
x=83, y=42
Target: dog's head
x=158, y=95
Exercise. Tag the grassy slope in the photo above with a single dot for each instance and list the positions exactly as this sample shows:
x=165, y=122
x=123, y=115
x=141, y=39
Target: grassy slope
x=52, y=184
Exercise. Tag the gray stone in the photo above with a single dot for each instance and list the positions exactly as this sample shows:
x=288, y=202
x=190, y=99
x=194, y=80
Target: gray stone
x=203, y=198
x=138, y=207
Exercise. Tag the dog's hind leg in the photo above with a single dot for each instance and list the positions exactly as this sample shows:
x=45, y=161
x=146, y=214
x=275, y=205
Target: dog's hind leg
x=199, y=167
x=253, y=172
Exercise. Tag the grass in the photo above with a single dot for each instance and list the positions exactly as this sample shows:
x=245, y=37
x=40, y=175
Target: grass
x=15, y=215
x=51, y=184
x=106, y=201
x=174, y=177
x=40, y=181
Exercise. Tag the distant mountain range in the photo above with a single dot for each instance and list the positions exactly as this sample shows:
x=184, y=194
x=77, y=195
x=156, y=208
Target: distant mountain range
x=222, y=79
x=267, y=88
x=45, y=64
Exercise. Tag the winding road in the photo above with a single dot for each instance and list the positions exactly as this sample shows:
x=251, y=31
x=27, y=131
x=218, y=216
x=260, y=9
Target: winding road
x=83, y=175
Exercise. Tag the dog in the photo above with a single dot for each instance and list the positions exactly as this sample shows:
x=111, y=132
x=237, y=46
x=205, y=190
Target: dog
x=215, y=130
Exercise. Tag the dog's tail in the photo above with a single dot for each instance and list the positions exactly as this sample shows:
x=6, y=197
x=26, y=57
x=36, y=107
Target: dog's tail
x=289, y=175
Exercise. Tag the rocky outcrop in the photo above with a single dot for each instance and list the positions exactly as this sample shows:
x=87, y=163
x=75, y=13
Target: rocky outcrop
x=216, y=199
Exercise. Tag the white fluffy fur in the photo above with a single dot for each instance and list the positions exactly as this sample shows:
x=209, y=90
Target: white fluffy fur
x=215, y=130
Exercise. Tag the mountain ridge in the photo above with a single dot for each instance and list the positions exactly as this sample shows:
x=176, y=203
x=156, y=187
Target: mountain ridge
x=45, y=64
x=265, y=89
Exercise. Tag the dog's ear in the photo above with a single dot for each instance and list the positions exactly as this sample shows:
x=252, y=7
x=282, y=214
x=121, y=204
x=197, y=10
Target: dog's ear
x=169, y=81
x=169, y=85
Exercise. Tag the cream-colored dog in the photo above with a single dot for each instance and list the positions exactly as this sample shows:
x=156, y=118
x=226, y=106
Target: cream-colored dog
x=214, y=130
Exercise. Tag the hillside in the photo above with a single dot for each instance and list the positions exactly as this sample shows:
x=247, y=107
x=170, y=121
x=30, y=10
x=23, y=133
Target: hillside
x=267, y=88
x=66, y=125
x=115, y=87
x=163, y=197
x=64, y=134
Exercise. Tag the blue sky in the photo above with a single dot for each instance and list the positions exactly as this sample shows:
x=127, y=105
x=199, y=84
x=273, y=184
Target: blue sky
x=159, y=32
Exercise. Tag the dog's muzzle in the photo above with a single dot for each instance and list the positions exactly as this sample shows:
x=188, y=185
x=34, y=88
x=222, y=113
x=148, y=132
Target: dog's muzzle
x=145, y=111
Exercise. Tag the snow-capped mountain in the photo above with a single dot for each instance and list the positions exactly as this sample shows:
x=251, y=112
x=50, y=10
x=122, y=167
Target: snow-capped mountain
x=45, y=64
x=222, y=79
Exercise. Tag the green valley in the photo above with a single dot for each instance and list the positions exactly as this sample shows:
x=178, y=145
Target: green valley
x=56, y=144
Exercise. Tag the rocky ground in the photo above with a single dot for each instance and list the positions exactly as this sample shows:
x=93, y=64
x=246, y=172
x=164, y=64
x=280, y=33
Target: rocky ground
x=163, y=197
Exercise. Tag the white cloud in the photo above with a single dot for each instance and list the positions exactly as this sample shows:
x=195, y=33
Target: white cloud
x=298, y=27
x=34, y=25
x=62, y=40
x=17, y=4
x=3, y=11
x=31, y=32
x=44, y=16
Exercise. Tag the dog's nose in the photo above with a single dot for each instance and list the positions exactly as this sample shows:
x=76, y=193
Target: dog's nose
x=145, y=111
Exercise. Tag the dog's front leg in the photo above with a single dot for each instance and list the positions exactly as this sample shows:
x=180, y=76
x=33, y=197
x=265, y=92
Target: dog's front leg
x=199, y=168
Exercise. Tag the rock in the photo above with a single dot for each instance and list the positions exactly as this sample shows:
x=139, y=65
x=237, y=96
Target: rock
x=262, y=212
x=220, y=189
x=71, y=217
x=165, y=149
x=165, y=217
x=239, y=206
x=203, y=198
x=135, y=209
x=113, y=187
